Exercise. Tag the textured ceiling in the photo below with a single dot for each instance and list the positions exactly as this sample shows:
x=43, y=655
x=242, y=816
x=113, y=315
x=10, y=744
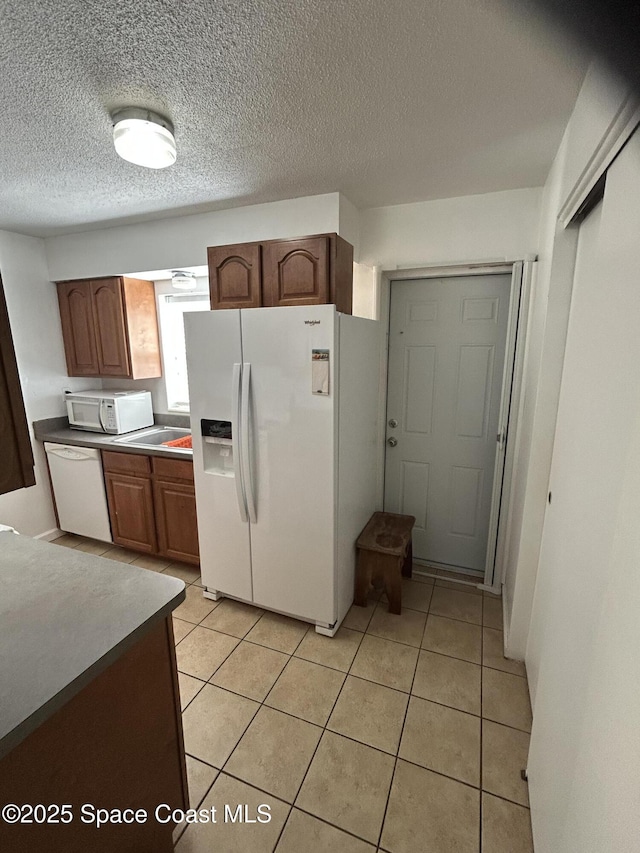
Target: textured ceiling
x=387, y=101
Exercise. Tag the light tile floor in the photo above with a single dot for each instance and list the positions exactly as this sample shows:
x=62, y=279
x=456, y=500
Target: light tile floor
x=401, y=734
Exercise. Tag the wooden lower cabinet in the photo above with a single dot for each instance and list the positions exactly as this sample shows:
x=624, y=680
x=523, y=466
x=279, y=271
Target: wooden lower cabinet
x=152, y=505
x=175, y=505
x=130, y=501
x=117, y=744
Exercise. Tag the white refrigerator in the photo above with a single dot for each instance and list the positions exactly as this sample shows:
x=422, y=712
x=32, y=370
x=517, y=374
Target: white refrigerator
x=284, y=417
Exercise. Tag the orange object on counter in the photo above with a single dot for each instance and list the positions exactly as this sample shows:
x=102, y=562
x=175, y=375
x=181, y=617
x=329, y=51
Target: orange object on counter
x=179, y=442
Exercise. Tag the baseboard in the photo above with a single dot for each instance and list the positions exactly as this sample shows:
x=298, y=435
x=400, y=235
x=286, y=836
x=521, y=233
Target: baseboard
x=505, y=624
x=49, y=535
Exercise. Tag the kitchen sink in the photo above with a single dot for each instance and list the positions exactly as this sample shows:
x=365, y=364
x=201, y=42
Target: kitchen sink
x=155, y=437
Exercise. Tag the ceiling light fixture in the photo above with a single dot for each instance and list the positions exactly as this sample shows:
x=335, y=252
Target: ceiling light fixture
x=183, y=280
x=144, y=138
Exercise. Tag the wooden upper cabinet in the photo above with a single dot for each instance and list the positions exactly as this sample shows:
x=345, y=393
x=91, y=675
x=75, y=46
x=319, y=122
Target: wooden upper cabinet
x=234, y=275
x=78, y=328
x=304, y=271
x=296, y=272
x=110, y=327
x=110, y=331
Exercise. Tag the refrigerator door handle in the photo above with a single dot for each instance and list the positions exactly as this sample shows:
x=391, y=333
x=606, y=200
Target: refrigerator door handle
x=237, y=472
x=246, y=444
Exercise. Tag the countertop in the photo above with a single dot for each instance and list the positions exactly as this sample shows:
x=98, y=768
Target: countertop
x=58, y=431
x=65, y=616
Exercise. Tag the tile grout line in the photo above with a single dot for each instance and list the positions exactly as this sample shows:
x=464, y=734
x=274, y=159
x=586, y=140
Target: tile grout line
x=349, y=673
x=332, y=825
x=291, y=805
x=208, y=681
x=260, y=705
x=377, y=749
x=350, y=738
x=284, y=802
x=324, y=729
x=404, y=722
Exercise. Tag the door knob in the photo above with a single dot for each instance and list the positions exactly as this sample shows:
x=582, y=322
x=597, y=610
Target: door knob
x=392, y=441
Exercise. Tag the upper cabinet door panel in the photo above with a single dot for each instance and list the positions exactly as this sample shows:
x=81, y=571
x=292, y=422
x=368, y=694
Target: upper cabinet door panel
x=234, y=276
x=111, y=339
x=296, y=272
x=76, y=315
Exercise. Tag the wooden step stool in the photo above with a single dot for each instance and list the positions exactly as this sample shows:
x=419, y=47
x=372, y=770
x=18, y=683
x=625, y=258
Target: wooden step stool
x=384, y=556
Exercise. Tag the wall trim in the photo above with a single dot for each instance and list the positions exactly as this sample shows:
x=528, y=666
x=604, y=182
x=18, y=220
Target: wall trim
x=616, y=135
x=49, y=535
x=441, y=270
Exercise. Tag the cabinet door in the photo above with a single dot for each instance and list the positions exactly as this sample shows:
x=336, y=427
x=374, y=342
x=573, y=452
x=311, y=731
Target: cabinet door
x=296, y=272
x=109, y=324
x=234, y=276
x=16, y=470
x=131, y=512
x=142, y=328
x=76, y=316
x=176, y=520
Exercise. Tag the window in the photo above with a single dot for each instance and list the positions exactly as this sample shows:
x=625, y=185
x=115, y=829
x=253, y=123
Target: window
x=172, y=311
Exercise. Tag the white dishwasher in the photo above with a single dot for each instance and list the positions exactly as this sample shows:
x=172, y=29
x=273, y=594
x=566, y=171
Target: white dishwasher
x=78, y=486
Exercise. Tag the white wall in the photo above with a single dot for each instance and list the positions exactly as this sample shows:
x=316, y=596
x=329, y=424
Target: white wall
x=364, y=288
x=349, y=224
x=493, y=226
x=37, y=336
x=596, y=111
x=181, y=241
x=542, y=373
x=585, y=742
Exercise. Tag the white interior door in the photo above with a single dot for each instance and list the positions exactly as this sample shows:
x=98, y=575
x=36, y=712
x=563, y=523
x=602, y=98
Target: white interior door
x=447, y=341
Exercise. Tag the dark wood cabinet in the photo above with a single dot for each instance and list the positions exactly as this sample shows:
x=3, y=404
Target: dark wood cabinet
x=78, y=330
x=174, y=497
x=234, y=275
x=110, y=327
x=16, y=469
x=110, y=332
x=304, y=271
x=175, y=505
x=296, y=272
x=152, y=504
x=117, y=743
x=131, y=510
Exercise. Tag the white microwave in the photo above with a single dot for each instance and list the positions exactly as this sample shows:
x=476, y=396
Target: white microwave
x=109, y=411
